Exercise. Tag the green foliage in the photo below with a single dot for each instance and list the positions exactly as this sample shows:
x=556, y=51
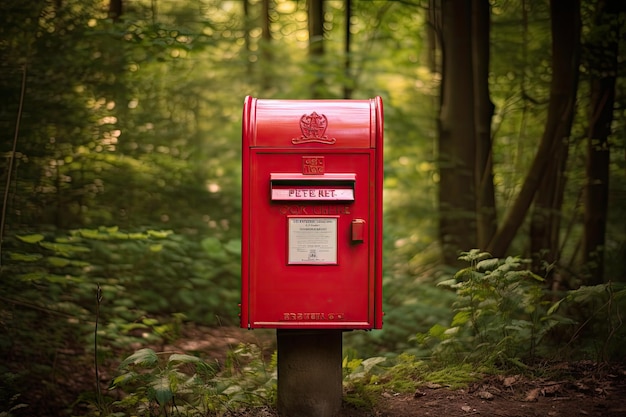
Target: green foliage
x=185, y=385
x=159, y=272
x=362, y=381
x=500, y=313
x=455, y=376
x=502, y=317
x=172, y=384
x=151, y=281
x=592, y=322
x=365, y=380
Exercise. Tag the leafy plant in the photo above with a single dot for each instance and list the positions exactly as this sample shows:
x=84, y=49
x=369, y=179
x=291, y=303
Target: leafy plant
x=148, y=282
x=500, y=313
x=183, y=385
x=13, y=405
x=361, y=380
x=592, y=318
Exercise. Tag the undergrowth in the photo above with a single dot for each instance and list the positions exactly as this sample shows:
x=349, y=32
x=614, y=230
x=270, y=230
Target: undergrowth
x=502, y=321
x=175, y=384
x=495, y=316
x=504, y=318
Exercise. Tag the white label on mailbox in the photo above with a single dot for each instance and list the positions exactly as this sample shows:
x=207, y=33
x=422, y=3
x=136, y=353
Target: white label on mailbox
x=312, y=240
x=302, y=193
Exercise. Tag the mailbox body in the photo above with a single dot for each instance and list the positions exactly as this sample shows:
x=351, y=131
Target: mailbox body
x=312, y=214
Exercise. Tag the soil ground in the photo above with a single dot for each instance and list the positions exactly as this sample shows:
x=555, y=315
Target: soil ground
x=582, y=388
x=498, y=397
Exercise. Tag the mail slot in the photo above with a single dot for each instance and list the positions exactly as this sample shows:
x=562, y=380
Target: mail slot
x=312, y=214
x=323, y=187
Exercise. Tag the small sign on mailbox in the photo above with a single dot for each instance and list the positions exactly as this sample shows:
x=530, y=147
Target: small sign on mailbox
x=312, y=214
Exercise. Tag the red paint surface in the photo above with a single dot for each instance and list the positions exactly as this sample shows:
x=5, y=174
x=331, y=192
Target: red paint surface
x=278, y=152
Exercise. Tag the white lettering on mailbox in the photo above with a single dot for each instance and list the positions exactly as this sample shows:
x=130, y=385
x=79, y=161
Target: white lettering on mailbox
x=341, y=194
x=312, y=193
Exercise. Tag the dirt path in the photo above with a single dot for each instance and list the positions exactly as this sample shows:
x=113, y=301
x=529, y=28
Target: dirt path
x=600, y=395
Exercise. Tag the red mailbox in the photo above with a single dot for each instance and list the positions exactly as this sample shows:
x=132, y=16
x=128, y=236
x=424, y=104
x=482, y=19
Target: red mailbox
x=312, y=214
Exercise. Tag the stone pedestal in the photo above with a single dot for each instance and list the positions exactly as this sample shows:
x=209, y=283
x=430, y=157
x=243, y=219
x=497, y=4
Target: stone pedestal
x=309, y=372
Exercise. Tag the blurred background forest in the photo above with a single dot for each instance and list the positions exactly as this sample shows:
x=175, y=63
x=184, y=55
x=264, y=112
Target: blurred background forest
x=120, y=170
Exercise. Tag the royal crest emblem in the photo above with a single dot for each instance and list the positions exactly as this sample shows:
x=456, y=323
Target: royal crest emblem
x=313, y=127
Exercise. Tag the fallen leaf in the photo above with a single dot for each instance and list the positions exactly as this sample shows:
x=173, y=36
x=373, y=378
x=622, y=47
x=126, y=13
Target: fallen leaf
x=533, y=395
x=485, y=395
x=509, y=381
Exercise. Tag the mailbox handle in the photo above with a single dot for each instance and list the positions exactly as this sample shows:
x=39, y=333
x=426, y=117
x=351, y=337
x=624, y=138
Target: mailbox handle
x=358, y=231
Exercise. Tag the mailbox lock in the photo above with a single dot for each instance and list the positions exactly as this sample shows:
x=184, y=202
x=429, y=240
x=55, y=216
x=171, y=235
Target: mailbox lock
x=358, y=230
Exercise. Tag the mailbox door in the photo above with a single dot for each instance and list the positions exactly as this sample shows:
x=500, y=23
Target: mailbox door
x=312, y=240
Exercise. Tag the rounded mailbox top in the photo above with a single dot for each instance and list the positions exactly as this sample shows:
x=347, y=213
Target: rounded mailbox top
x=312, y=123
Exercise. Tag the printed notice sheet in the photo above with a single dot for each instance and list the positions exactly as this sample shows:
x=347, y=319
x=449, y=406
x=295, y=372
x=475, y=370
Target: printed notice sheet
x=312, y=240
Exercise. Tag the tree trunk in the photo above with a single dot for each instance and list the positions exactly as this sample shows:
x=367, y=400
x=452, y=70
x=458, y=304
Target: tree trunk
x=603, y=71
x=483, y=112
x=457, y=145
x=565, y=42
x=267, y=32
x=115, y=10
x=246, y=36
x=546, y=215
x=316, y=44
x=266, y=50
x=347, y=71
x=433, y=35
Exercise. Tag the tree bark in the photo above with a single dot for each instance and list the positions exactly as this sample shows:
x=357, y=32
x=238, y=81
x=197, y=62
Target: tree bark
x=433, y=35
x=347, y=67
x=457, y=145
x=603, y=72
x=246, y=36
x=316, y=43
x=266, y=50
x=115, y=10
x=546, y=215
x=483, y=112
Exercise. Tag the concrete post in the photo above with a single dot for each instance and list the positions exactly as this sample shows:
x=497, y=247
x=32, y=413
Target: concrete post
x=309, y=372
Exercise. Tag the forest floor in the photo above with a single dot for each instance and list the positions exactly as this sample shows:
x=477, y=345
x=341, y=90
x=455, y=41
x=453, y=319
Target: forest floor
x=581, y=388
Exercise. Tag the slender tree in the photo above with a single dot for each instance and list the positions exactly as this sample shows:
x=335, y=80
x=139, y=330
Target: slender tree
x=115, y=10
x=347, y=83
x=483, y=112
x=266, y=41
x=245, y=4
x=433, y=35
x=603, y=51
x=457, y=129
x=546, y=214
x=316, y=43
